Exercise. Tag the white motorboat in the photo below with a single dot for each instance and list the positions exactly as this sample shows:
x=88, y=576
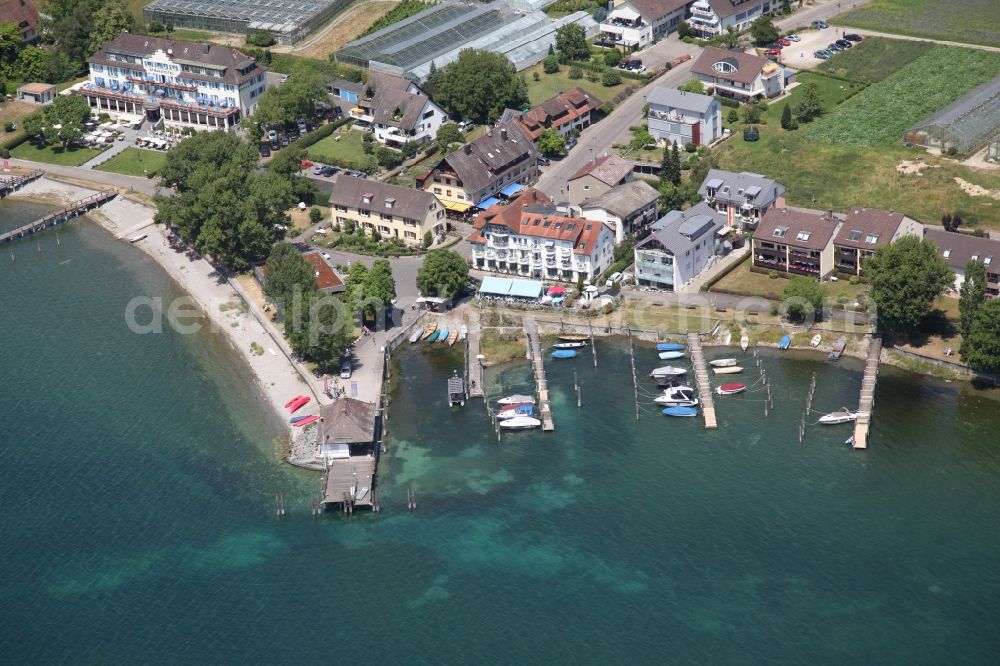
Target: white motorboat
x=514, y=412
x=671, y=355
x=728, y=339
x=136, y=238
x=515, y=399
x=728, y=370
x=667, y=371
x=816, y=339
x=416, y=336
x=722, y=362
x=569, y=345
x=520, y=423
x=744, y=342
x=842, y=416
x=678, y=396
x=730, y=389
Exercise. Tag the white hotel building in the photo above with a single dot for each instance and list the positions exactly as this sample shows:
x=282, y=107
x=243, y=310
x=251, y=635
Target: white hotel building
x=187, y=83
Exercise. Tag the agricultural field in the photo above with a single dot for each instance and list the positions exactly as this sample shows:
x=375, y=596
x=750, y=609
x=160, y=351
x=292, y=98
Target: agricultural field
x=403, y=10
x=879, y=115
x=874, y=59
x=344, y=27
x=964, y=21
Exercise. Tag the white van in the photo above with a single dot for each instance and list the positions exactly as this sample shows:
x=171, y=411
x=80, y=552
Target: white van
x=615, y=277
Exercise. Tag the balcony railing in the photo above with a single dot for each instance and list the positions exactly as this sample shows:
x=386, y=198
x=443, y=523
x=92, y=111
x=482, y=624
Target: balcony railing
x=163, y=84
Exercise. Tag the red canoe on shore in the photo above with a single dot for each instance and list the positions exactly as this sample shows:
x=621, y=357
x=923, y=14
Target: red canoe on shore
x=306, y=421
x=296, y=403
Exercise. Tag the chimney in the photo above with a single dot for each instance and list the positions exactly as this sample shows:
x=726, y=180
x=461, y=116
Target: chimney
x=468, y=148
x=205, y=48
x=503, y=133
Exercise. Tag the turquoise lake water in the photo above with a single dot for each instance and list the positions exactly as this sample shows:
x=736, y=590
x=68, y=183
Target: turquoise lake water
x=137, y=480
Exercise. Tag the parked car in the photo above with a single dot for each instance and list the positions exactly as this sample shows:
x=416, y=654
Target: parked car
x=822, y=54
x=284, y=141
x=328, y=170
x=854, y=37
x=570, y=142
x=465, y=125
x=844, y=44
x=794, y=38
x=345, y=368
x=275, y=145
x=615, y=277
x=784, y=41
x=836, y=48
x=318, y=169
x=272, y=135
x=303, y=128
x=772, y=53
x=773, y=45
x=265, y=150
x=820, y=25
x=543, y=160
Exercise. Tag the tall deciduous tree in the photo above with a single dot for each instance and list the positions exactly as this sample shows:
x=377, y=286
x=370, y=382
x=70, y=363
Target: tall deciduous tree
x=479, y=85
x=61, y=121
x=550, y=143
x=319, y=328
x=802, y=297
x=11, y=44
x=907, y=275
x=287, y=274
x=973, y=295
x=982, y=346
x=571, y=42
x=763, y=31
x=443, y=274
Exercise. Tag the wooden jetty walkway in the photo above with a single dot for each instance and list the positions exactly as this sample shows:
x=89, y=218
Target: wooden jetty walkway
x=537, y=359
x=866, y=402
x=701, y=377
x=473, y=364
x=52, y=219
x=11, y=184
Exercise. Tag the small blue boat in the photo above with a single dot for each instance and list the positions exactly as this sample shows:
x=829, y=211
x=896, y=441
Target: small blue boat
x=785, y=341
x=442, y=335
x=564, y=353
x=681, y=411
x=433, y=336
x=669, y=355
x=296, y=419
x=669, y=346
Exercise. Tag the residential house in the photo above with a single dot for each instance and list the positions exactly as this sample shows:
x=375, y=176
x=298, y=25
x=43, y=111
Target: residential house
x=795, y=241
x=395, y=109
x=635, y=24
x=394, y=211
x=530, y=237
x=739, y=75
x=681, y=117
x=24, y=14
x=710, y=18
x=864, y=231
x=627, y=208
x=36, y=93
x=680, y=246
x=960, y=249
x=205, y=86
x=479, y=170
x=597, y=177
x=564, y=112
x=744, y=197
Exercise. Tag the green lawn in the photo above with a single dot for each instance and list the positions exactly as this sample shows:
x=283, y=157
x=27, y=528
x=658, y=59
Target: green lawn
x=135, y=162
x=742, y=280
x=54, y=154
x=550, y=85
x=874, y=59
x=965, y=21
x=881, y=114
x=832, y=92
x=342, y=148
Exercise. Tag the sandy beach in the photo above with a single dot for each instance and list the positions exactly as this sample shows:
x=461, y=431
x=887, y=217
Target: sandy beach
x=218, y=301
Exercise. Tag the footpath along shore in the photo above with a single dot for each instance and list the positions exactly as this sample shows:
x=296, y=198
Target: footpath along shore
x=276, y=374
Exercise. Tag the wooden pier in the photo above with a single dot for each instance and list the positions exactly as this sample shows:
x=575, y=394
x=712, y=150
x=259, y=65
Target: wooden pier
x=537, y=359
x=701, y=377
x=68, y=213
x=11, y=184
x=474, y=364
x=866, y=403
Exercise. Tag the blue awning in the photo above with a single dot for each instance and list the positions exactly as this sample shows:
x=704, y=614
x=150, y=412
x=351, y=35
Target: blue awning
x=512, y=189
x=486, y=203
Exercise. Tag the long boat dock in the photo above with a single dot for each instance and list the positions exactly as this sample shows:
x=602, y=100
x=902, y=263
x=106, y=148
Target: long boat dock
x=11, y=184
x=52, y=219
x=701, y=377
x=538, y=364
x=473, y=363
x=866, y=402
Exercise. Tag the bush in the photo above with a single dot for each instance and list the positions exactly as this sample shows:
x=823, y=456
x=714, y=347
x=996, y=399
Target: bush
x=575, y=73
x=728, y=102
x=611, y=78
x=690, y=147
x=612, y=57
x=261, y=38
x=688, y=40
x=8, y=127
x=854, y=279
x=732, y=116
x=4, y=154
x=763, y=106
x=773, y=275
x=315, y=215
x=551, y=64
x=387, y=157
x=536, y=76
x=409, y=150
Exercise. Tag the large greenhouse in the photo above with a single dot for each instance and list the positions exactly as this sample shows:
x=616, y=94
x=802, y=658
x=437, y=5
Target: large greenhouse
x=966, y=125
x=287, y=21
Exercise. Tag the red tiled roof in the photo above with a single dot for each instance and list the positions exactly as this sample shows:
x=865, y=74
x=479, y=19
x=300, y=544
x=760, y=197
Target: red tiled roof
x=538, y=223
x=556, y=111
x=326, y=277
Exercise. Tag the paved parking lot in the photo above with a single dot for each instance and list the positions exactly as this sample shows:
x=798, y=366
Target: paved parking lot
x=800, y=54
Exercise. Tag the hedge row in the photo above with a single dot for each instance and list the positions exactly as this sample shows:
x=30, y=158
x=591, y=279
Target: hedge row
x=15, y=141
x=320, y=133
